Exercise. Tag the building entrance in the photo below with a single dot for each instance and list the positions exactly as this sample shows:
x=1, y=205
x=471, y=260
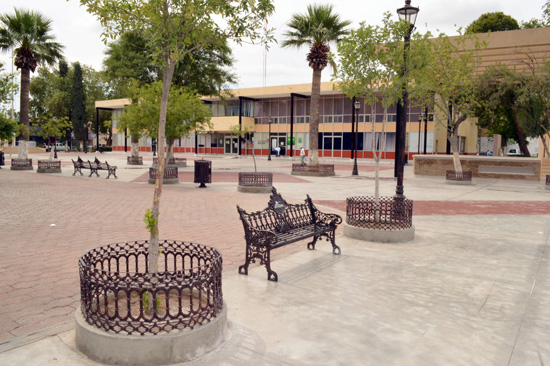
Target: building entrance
x=231, y=145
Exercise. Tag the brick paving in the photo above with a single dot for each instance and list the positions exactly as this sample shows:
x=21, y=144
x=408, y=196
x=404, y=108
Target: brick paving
x=49, y=221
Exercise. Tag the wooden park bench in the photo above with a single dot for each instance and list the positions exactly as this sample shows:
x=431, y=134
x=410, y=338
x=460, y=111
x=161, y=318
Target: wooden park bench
x=281, y=224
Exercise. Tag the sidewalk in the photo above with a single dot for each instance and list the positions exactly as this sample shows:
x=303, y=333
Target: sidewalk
x=471, y=289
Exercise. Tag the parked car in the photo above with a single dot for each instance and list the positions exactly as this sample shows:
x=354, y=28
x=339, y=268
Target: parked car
x=514, y=152
x=58, y=146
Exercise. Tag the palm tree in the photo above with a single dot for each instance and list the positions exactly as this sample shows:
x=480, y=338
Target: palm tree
x=317, y=29
x=28, y=34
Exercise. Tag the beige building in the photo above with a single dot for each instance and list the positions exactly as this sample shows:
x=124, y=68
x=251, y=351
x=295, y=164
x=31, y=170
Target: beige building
x=279, y=115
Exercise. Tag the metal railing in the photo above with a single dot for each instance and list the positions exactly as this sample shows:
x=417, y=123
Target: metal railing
x=21, y=162
x=464, y=176
x=171, y=161
x=390, y=213
x=170, y=172
x=259, y=179
x=47, y=164
x=117, y=294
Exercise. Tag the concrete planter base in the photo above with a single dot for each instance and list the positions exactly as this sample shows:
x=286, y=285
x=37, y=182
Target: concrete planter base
x=160, y=349
x=313, y=173
x=378, y=235
x=48, y=170
x=459, y=182
x=249, y=189
x=165, y=181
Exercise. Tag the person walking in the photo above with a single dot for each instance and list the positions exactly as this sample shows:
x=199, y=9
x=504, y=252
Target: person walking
x=302, y=156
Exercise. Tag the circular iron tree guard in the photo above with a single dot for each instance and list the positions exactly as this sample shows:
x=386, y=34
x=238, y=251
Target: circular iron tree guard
x=255, y=182
x=321, y=170
x=121, y=302
x=389, y=221
x=170, y=175
x=464, y=178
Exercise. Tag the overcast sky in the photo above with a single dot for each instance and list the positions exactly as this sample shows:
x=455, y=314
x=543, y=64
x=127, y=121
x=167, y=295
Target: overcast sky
x=80, y=33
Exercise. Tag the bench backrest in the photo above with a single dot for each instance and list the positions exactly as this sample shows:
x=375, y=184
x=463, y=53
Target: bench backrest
x=279, y=216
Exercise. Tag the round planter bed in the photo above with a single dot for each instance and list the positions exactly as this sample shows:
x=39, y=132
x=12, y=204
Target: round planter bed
x=128, y=316
x=321, y=170
x=257, y=182
x=170, y=175
x=134, y=160
x=389, y=222
x=49, y=166
x=461, y=179
x=21, y=164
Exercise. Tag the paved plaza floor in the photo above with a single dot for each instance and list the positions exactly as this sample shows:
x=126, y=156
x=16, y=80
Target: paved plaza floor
x=472, y=288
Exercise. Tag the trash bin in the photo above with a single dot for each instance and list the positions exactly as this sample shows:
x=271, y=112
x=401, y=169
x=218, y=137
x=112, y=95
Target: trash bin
x=1, y=158
x=203, y=172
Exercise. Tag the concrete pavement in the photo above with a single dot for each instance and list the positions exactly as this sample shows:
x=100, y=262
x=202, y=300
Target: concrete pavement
x=471, y=289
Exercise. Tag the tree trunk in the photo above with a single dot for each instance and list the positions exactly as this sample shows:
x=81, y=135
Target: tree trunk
x=453, y=139
x=153, y=253
x=314, y=119
x=24, y=101
x=135, y=147
x=170, y=149
x=521, y=136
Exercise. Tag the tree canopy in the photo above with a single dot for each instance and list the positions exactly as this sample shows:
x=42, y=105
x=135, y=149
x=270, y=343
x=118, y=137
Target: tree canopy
x=492, y=22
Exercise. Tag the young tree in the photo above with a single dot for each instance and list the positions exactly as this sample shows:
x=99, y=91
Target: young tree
x=537, y=87
x=53, y=128
x=316, y=29
x=498, y=93
x=450, y=73
x=370, y=66
x=29, y=35
x=241, y=132
x=78, y=106
x=174, y=29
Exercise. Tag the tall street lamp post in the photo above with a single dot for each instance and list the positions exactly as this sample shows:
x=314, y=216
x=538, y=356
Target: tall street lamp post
x=407, y=13
x=269, y=140
x=357, y=105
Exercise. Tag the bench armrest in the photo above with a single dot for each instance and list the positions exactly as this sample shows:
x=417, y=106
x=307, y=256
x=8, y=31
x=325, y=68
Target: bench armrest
x=328, y=218
x=262, y=238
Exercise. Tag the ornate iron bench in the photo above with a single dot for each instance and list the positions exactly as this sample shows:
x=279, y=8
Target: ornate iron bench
x=281, y=224
x=94, y=167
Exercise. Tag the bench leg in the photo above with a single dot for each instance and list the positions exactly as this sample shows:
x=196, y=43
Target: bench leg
x=263, y=254
x=311, y=245
x=331, y=235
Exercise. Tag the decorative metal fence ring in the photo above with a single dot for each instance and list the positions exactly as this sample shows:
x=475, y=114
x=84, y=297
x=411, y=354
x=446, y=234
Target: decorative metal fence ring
x=21, y=162
x=46, y=164
x=390, y=213
x=118, y=295
x=259, y=179
x=463, y=177
x=134, y=159
x=319, y=168
x=169, y=172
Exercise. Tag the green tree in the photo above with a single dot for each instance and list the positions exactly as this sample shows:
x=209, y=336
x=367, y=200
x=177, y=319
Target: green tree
x=368, y=69
x=205, y=70
x=451, y=73
x=52, y=128
x=186, y=113
x=492, y=22
x=537, y=88
x=173, y=29
x=78, y=106
x=498, y=92
x=29, y=35
x=316, y=29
